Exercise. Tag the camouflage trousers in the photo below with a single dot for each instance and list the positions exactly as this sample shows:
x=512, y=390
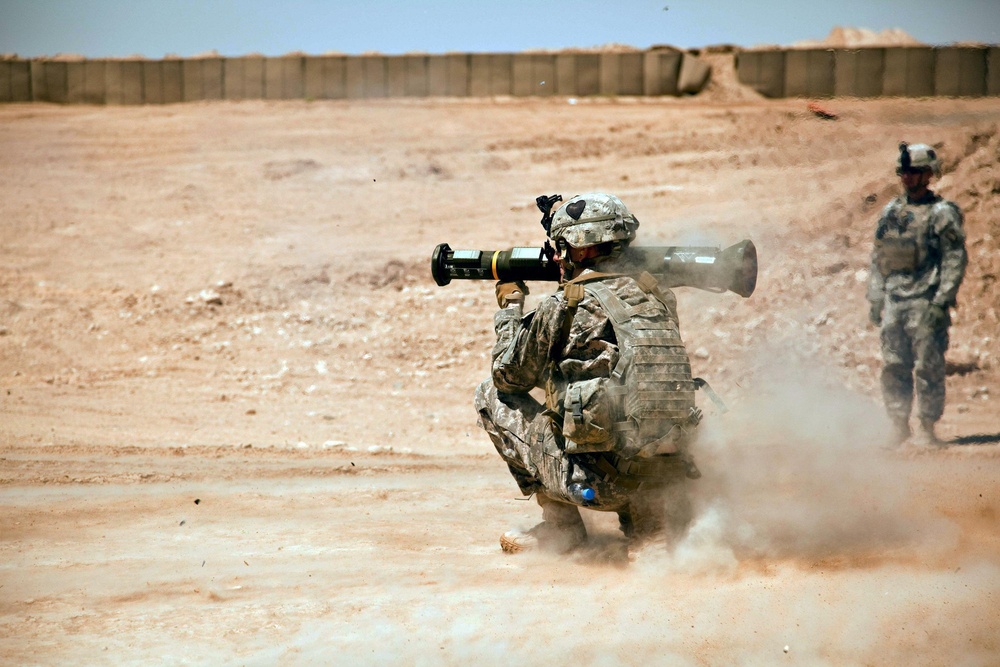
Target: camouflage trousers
x=524, y=437
x=913, y=359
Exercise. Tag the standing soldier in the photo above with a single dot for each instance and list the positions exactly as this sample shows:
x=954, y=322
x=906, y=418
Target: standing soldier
x=918, y=263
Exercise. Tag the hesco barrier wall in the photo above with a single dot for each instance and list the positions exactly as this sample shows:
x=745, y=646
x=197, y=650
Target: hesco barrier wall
x=873, y=72
x=654, y=72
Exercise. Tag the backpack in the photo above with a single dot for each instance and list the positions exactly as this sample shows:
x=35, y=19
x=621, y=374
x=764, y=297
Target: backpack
x=647, y=406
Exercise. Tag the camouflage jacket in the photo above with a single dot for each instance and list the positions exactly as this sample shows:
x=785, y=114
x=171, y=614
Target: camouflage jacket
x=919, y=251
x=526, y=344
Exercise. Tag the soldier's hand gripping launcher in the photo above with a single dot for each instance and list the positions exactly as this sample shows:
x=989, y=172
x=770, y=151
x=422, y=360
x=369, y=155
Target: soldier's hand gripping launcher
x=708, y=268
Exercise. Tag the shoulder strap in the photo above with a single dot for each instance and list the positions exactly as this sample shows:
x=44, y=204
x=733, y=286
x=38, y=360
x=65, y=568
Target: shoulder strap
x=650, y=285
x=573, y=292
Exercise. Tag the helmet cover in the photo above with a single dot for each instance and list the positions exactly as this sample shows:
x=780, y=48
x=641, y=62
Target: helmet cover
x=917, y=157
x=592, y=219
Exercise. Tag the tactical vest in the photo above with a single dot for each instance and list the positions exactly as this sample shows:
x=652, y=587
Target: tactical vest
x=905, y=241
x=647, y=406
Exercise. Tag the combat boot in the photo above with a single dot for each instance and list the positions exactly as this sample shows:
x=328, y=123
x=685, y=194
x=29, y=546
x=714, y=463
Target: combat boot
x=652, y=548
x=925, y=436
x=546, y=536
x=560, y=531
x=900, y=431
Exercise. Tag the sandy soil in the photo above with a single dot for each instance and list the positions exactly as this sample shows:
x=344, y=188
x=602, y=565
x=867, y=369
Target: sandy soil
x=236, y=422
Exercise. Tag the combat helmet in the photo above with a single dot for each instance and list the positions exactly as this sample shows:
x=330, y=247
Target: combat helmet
x=592, y=219
x=917, y=157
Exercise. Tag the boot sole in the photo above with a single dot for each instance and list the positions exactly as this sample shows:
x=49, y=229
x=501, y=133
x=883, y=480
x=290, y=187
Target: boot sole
x=510, y=545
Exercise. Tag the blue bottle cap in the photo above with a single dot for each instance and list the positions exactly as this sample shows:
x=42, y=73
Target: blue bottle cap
x=587, y=493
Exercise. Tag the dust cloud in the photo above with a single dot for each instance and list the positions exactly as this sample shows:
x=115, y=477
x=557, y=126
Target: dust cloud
x=801, y=468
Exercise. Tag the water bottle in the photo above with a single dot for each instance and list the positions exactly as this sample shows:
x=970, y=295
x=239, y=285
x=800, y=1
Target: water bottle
x=581, y=493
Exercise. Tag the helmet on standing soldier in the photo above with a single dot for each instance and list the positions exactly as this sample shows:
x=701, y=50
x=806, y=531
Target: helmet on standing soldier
x=917, y=157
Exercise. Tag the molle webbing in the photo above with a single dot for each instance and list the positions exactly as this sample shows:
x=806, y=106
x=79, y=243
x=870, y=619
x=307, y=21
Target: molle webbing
x=654, y=368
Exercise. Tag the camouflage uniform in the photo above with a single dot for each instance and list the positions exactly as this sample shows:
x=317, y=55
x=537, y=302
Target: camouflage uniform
x=918, y=263
x=528, y=438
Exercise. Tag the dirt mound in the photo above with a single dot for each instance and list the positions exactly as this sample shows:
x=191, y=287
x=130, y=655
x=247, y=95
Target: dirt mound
x=973, y=183
x=850, y=38
x=724, y=86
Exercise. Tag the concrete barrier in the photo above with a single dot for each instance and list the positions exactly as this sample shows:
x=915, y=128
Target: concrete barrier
x=243, y=78
x=631, y=76
x=76, y=82
x=859, y=72
x=367, y=78
x=152, y=82
x=114, y=82
x=284, y=78
x=490, y=74
x=233, y=71
x=960, y=72
x=479, y=74
x=661, y=72
x=417, y=76
x=809, y=73
x=293, y=78
x=406, y=76
x=577, y=74
x=588, y=74
x=202, y=79
x=909, y=72
x=376, y=83
x=173, y=82
x=764, y=71
x=325, y=78
x=621, y=73
x=5, y=81
x=533, y=74
x=993, y=71
x=161, y=81
x=48, y=81
x=123, y=82
x=501, y=73
x=395, y=76
x=693, y=75
x=274, y=72
x=192, y=88
x=437, y=76
x=458, y=74
x=354, y=78
x=94, y=82
x=565, y=64
x=15, y=81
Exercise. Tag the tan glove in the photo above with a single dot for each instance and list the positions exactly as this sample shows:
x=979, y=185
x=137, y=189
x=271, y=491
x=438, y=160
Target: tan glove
x=508, y=293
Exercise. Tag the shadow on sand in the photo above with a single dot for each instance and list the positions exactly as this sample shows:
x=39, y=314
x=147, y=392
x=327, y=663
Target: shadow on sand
x=978, y=439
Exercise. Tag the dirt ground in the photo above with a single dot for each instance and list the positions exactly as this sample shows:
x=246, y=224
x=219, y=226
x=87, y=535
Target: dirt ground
x=236, y=420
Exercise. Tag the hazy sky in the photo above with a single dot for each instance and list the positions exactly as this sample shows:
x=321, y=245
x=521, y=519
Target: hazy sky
x=155, y=28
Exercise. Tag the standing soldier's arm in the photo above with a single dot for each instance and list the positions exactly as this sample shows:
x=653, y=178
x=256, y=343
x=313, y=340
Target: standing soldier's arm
x=948, y=225
x=876, y=281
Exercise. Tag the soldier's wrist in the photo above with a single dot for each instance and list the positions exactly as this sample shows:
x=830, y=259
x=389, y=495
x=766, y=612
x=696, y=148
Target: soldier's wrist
x=507, y=314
